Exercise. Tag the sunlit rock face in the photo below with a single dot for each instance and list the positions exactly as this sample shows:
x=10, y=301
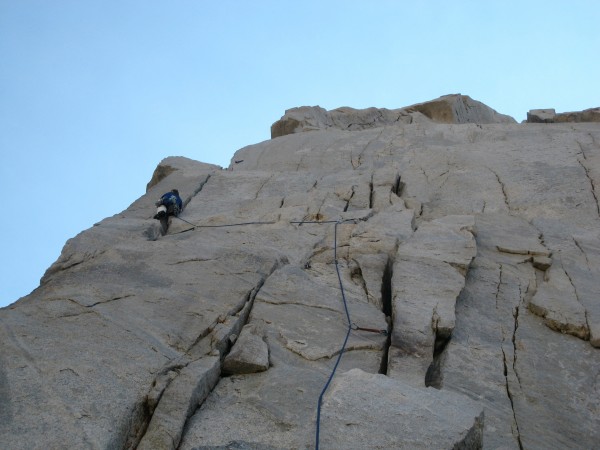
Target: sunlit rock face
x=455, y=108
x=450, y=256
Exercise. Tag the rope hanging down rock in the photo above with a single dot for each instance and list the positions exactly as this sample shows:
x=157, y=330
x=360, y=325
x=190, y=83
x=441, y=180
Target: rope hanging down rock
x=350, y=325
x=343, y=348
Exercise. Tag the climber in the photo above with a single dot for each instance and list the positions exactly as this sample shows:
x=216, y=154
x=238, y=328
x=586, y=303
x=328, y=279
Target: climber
x=168, y=205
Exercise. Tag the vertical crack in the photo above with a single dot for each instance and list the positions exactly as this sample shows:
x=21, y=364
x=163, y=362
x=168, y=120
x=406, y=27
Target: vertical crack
x=499, y=285
x=349, y=199
x=386, y=300
x=587, y=261
x=514, y=343
x=586, y=335
x=591, y=180
x=433, y=377
x=362, y=152
x=503, y=187
x=197, y=191
x=398, y=187
x=510, y=398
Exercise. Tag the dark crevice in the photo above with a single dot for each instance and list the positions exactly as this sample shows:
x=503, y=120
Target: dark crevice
x=142, y=412
x=386, y=300
x=514, y=343
x=386, y=288
x=433, y=377
x=398, y=187
x=136, y=427
x=443, y=336
x=383, y=368
x=371, y=193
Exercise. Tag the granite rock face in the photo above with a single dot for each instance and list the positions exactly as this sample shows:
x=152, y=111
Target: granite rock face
x=438, y=263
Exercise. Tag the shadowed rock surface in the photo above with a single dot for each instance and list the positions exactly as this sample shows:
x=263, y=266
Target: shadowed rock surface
x=467, y=250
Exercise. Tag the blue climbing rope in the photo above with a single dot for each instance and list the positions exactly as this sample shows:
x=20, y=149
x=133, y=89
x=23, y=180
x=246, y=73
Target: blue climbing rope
x=341, y=352
x=351, y=325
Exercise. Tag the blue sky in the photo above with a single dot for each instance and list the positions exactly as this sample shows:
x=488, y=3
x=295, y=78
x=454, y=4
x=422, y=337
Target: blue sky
x=93, y=94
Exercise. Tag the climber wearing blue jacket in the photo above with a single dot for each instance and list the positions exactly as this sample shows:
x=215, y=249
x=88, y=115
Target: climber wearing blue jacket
x=169, y=205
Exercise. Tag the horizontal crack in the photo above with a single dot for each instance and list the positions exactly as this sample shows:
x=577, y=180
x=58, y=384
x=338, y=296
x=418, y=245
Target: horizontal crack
x=109, y=300
x=192, y=260
x=263, y=300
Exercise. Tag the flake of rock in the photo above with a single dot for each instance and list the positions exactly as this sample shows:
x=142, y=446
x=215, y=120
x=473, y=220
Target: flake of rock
x=250, y=354
x=556, y=301
x=424, y=293
x=509, y=234
x=179, y=400
x=445, y=240
x=542, y=262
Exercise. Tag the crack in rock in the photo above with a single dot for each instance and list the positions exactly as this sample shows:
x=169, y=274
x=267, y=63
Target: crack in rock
x=592, y=184
x=187, y=383
x=587, y=172
x=510, y=398
x=503, y=187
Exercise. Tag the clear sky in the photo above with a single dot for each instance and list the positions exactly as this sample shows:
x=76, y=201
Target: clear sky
x=95, y=93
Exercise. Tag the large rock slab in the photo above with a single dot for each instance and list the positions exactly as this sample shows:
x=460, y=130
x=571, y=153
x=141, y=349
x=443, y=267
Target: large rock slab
x=356, y=415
